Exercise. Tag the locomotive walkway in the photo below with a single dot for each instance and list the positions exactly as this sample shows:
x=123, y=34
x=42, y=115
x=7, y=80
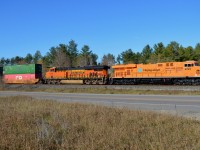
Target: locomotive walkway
x=188, y=106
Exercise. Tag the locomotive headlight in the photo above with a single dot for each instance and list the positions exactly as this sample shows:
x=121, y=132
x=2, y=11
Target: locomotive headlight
x=198, y=72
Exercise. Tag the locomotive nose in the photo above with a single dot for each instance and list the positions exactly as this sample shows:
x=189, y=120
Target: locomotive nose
x=198, y=72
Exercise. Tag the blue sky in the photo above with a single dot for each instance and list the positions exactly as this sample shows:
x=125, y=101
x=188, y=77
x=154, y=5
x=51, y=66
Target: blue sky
x=107, y=26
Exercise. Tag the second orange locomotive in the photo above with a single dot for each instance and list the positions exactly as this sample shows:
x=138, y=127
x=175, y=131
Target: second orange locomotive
x=79, y=75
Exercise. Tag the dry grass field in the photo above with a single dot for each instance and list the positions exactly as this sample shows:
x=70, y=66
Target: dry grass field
x=26, y=123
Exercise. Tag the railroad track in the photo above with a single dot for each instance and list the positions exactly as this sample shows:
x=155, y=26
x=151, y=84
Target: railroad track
x=72, y=86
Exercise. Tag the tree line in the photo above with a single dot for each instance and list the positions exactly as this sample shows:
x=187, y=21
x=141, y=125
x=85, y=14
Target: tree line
x=68, y=55
x=161, y=53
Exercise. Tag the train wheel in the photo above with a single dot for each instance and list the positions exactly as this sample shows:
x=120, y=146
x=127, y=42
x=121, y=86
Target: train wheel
x=49, y=82
x=40, y=82
x=87, y=82
x=54, y=82
x=100, y=82
x=94, y=82
x=58, y=82
x=110, y=81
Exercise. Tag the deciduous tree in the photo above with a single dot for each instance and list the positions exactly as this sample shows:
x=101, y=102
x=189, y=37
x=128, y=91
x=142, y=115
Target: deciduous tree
x=108, y=59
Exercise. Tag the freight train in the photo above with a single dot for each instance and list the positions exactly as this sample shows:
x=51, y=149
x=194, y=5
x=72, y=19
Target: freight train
x=178, y=73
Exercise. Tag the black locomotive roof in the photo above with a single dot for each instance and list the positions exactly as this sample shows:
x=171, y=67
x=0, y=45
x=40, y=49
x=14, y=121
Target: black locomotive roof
x=84, y=68
x=96, y=67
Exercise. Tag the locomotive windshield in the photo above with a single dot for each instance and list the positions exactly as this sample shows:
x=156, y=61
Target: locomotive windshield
x=191, y=65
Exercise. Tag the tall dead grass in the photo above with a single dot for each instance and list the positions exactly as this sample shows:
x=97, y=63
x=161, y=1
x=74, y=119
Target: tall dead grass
x=26, y=123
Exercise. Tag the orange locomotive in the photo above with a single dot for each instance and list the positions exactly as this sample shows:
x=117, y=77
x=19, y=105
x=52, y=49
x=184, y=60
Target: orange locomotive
x=180, y=73
x=79, y=75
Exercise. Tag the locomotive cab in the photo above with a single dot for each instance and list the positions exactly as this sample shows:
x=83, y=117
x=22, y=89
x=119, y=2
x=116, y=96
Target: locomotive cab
x=189, y=64
x=55, y=73
x=192, y=68
x=52, y=69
